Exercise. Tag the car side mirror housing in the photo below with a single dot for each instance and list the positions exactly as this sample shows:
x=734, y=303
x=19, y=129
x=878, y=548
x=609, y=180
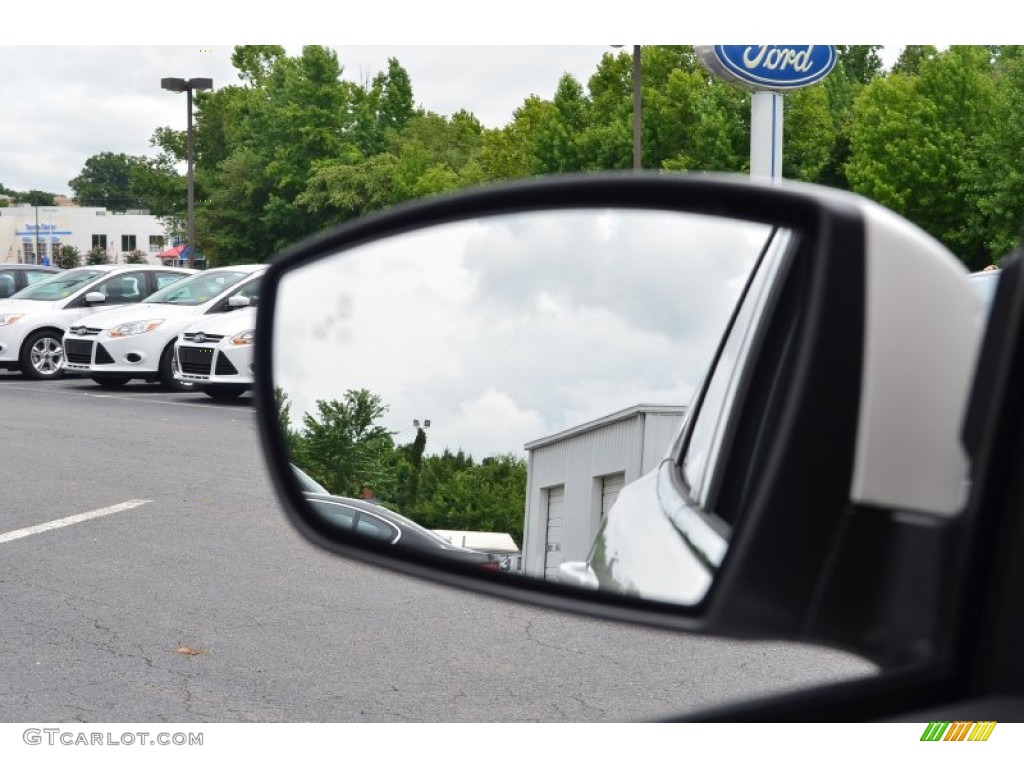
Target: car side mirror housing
x=236, y=302
x=95, y=297
x=702, y=403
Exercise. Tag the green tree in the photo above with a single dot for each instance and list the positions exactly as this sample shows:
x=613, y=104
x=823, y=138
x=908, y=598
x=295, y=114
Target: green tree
x=97, y=255
x=343, y=448
x=912, y=57
x=913, y=141
x=810, y=133
x=106, y=181
x=67, y=257
x=382, y=109
x=37, y=197
x=994, y=170
x=557, y=144
x=458, y=494
x=255, y=62
x=859, y=63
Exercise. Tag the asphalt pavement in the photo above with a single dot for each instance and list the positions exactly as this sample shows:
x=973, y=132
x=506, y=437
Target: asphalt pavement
x=147, y=574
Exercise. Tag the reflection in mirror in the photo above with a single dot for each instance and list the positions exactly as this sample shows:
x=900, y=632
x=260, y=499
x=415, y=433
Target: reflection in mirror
x=505, y=391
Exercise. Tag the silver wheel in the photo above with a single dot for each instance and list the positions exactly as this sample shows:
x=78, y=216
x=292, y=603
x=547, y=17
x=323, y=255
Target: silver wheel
x=45, y=356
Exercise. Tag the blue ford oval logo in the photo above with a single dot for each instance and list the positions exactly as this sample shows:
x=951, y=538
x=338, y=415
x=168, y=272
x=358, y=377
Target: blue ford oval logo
x=769, y=67
x=199, y=338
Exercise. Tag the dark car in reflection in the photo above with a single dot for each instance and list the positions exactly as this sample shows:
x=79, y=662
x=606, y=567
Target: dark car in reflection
x=382, y=524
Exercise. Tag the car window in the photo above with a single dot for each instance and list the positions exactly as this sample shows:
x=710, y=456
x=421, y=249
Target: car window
x=7, y=285
x=164, y=279
x=337, y=514
x=251, y=291
x=122, y=289
x=198, y=289
x=60, y=285
x=34, y=276
x=370, y=525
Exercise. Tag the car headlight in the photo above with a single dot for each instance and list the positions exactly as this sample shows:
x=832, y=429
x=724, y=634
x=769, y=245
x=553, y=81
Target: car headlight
x=9, y=319
x=244, y=338
x=134, y=328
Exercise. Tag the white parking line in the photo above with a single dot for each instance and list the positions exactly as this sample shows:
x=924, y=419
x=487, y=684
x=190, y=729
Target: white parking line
x=54, y=524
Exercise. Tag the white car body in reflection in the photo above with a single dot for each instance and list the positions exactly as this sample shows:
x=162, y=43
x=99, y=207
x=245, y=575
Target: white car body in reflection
x=216, y=353
x=137, y=342
x=639, y=552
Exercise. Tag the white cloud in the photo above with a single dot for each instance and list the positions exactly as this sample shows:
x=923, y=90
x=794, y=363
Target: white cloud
x=64, y=104
x=507, y=329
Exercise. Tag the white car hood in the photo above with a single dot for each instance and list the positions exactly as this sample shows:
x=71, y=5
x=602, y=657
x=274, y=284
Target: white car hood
x=29, y=307
x=111, y=318
x=226, y=324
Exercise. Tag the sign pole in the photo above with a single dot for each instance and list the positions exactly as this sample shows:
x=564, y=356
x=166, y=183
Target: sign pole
x=768, y=71
x=766, y=135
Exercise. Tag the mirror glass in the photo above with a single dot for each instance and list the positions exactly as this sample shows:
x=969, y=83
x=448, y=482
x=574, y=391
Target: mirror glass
x=512, y=391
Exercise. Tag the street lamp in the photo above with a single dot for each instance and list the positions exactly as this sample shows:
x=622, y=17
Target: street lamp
x=179, y=85
x=637, y=164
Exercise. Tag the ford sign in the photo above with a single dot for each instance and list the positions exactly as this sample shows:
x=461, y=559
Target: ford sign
x=769, y=67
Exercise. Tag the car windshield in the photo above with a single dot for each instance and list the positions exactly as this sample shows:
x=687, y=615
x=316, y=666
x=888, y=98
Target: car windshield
x=60, y=286
x=198, y=289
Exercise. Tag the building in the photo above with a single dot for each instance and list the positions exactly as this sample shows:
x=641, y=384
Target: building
x=29, y=233
x=574, y=476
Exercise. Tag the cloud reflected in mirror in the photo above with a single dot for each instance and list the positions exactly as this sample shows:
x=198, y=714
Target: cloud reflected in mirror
x=493, y=386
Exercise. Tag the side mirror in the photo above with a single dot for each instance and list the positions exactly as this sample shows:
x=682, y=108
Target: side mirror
x=95, y=297
x=236, y=302
x=695, y=402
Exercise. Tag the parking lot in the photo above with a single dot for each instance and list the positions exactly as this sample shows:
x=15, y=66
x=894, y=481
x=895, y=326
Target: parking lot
x=187, y=596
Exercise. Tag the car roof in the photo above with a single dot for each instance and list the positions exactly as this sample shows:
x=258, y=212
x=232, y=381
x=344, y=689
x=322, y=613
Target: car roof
x=127, y=267
x=238, y=268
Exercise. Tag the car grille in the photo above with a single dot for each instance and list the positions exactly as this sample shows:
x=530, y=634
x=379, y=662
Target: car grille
x=102, y=356
x=211, y=338
x=82, y=330
x=195, y=360
x=78, y=352
x=224, y=367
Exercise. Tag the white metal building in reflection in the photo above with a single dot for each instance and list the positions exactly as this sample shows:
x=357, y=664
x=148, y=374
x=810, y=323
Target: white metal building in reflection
x=574, y=476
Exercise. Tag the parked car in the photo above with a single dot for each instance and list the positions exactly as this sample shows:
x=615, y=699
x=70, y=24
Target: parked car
x=215, y=353
x=14, y=277
x=138, y=342
x=382, y=525
x=848, y=474
x=34, y=320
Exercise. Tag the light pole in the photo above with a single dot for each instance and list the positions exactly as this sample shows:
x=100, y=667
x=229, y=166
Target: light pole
x=637, y=71
x=178, y=85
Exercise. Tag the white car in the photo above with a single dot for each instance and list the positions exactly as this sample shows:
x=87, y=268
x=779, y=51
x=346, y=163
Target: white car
x=215, y=354
x=138, y=342
x=33, y=321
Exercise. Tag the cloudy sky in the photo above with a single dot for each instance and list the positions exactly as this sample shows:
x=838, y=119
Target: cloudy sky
x=64, y=104
x=506, y=330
